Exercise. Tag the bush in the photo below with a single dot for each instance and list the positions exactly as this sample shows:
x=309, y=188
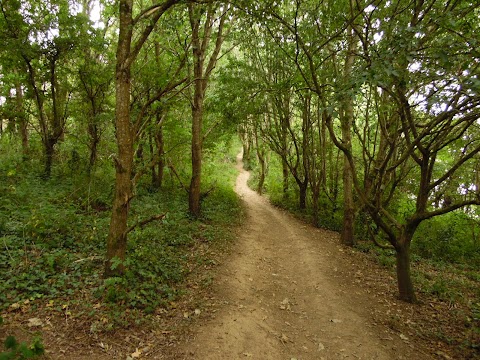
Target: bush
x=450, y=238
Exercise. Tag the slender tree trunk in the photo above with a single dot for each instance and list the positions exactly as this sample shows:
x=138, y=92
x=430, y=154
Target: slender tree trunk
x=197, y=116
x=263, y=167
x=246, y=152
x=315, y=209
x=22, y=123
x=261, y=161
x=347, y=235
x=285, y=174
x=323, y=149
x=302, y=186
x=195, y=182
x=161, y=156
x=94, y=141
x=153, y=168
x=117, y=235
x=261, y=179
x=49, y=146
x=201, y=75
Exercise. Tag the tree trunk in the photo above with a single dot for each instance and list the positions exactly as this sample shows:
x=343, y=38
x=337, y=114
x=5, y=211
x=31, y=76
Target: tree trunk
x=94, y=141
x=303, y=195
x=261, y=179
x=285, y=174
x=404, y=279
x=117, y=235
x=261, y=161
x=201, y=75
x=22, y=119
x=348, y=236
x=161, y=157
x=246, y=152
x=197, y=117
x=195, y=182
x=153, y=168
x=49, y=146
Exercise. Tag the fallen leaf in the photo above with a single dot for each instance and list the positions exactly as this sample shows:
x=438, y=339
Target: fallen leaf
x=136, y=354
x=34, y=322
x=403, y=337
x=321, y=347
x=198, y=311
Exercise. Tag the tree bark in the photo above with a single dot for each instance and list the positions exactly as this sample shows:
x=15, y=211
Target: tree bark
x=201, y=75
x=404, y=279
x=22, y=119
x=261, y=162
x=161, y=156
x=347, y=235
x=195, y=182
x=94, y=141
x=302, y=203
x=117, y=235
x=285, y=174
x=197, y=115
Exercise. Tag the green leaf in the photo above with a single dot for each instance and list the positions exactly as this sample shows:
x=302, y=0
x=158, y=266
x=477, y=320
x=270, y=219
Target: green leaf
x=11, y=342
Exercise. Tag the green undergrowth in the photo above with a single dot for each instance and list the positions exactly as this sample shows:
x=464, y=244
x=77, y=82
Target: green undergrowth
x=53, y=234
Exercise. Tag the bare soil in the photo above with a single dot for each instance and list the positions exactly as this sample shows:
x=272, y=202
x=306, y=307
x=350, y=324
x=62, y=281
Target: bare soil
x=288, y=291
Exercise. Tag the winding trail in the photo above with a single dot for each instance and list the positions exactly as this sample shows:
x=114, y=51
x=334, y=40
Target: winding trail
x=281, y=297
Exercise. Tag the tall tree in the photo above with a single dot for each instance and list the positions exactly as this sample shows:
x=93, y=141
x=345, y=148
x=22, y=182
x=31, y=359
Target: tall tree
x=43, y=37
x=427, y=106
x=204, y=19
x=127, y=52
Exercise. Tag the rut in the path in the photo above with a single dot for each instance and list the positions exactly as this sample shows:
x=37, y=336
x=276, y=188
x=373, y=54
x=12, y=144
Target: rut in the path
x=280, y=299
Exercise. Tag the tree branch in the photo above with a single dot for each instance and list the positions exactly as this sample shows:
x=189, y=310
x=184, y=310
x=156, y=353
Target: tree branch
x=144, y=222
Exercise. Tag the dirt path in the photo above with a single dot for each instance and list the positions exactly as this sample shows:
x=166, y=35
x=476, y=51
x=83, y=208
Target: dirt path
x=281, y=297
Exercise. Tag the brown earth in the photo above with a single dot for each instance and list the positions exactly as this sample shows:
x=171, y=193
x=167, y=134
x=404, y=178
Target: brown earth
x=285, y=293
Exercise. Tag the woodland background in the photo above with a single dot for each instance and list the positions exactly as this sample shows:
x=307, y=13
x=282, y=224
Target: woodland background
x=120, y=122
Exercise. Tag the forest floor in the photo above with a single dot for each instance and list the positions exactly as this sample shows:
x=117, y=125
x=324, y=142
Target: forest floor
x=283, y=290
